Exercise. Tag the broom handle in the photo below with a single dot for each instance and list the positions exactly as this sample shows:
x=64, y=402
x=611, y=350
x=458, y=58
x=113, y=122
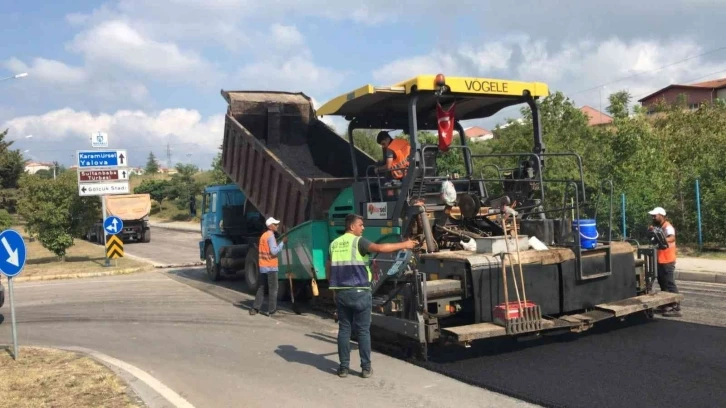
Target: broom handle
x=514, y=276
x=519, y=260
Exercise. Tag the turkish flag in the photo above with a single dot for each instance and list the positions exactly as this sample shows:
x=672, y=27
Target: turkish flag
x=446, y=126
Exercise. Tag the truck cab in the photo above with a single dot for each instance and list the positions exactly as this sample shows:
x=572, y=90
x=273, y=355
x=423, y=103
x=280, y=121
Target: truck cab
x=230, y=227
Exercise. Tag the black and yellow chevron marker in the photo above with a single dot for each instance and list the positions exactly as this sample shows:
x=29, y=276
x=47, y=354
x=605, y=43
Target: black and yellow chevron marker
x=114, y=247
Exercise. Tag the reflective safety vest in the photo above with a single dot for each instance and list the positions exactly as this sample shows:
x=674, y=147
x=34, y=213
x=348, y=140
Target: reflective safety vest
x=402, y=149
x=266, y=258
x=348, y=268
x=667, y=255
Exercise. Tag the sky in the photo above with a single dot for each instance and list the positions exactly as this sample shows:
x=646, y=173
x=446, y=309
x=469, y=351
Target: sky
x=149, y=73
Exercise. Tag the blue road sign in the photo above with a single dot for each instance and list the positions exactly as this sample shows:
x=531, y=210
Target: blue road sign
x=12, y=253
x=113, y=225
x=102, y=158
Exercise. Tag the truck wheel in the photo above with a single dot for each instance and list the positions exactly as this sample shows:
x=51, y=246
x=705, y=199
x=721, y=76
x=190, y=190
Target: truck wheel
x=212, y=266
x=252, y=272
x=146, y=236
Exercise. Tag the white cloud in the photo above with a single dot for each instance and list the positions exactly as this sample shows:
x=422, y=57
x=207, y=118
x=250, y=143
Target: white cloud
x=61, y=132
x=116, y=43
x=50, y=71
x=337, y=123
x=286, y=63
x=286, y=35
x=576, y=68
x=52, y=82
x=297, y=73
x=467, y=60
x=638, y=66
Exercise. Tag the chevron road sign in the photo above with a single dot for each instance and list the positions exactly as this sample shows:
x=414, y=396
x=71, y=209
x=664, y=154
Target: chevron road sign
x=114, y=247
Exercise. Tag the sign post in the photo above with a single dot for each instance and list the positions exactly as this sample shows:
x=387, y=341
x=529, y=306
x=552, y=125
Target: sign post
x=112, y=226
x=12, y=262
x=103, y=172
x=99, y=139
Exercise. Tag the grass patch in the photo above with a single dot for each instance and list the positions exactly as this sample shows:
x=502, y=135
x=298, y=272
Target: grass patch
x=56, y=378
x=82, y=257
x=170, y=212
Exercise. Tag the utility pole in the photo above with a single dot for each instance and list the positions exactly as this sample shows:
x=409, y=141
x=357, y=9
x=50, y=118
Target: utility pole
x=168, y=155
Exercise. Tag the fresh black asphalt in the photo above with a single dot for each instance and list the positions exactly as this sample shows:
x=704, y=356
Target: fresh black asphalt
x=637, y=363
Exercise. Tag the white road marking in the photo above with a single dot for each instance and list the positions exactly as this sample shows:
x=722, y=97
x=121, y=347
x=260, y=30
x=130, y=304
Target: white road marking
x=142, y=375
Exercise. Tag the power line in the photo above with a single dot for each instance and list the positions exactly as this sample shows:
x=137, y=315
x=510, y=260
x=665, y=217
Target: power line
x=649, y=71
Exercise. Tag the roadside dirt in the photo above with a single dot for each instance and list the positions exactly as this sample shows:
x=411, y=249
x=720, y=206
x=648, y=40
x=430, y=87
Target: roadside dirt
x=61, y=379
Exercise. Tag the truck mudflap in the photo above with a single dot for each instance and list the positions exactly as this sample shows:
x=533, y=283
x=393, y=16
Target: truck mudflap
x=571, y=323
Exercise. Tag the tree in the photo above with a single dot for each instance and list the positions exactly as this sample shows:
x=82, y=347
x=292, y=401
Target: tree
x=619, y=102
x=157, y=189
x=12, y=163
x=53, y=211
x=44, y=174
x=365, y=140
x=218, y=176
x=6, y=220
x=152, y=165
x=183, y=186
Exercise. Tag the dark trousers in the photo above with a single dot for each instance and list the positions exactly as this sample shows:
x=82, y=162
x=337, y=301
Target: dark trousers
x=266, y=280
x=667, y=277
x=354, y=310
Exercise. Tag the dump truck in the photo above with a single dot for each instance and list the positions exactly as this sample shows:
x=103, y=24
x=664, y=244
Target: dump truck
x=497, y=255
x=133, y=209
x=230, y=225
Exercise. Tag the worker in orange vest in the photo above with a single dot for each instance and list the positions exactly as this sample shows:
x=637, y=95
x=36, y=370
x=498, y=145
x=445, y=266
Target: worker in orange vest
x=268, y=251
x=395, y=155
x=666, y=259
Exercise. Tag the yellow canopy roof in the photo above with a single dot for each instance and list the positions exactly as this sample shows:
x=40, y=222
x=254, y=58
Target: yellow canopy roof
x=387, y=107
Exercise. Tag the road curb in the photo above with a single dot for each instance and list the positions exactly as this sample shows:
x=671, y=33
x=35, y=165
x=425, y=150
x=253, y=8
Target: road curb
x=184, y=265
x=125, y=271
x=707, y=277
x=152, y=392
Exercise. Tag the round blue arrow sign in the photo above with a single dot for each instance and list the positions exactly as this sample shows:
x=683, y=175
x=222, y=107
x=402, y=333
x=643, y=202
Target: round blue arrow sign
x=113, y=225
x=12, y=253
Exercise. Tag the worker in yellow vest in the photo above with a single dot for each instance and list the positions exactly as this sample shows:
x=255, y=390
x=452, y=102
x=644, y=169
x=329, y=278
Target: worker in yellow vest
x=268, y=251
x=666, y=259
x=350, y=279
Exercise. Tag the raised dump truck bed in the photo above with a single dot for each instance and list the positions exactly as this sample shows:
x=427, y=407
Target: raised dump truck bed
x=289, y=164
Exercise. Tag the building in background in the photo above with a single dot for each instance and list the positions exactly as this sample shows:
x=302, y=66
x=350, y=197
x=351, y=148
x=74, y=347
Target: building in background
x=476, y=134
x=595, y=117
x=694, y=94
x=34, y=167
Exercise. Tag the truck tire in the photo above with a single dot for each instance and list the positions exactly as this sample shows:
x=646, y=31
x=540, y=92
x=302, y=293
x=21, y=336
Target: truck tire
x=146, y=236
x=252, y=272
x=212, y=265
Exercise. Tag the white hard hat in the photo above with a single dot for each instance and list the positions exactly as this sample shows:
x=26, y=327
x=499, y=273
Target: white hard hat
x=658, y=210
x=271, y=221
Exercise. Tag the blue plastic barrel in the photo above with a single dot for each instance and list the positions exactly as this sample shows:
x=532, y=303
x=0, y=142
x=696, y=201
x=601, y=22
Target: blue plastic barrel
x=588, y=233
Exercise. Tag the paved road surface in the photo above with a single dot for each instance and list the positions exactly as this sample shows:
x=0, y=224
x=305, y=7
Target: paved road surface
x=215, y=354
x=667, y=362
x=168, y=247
